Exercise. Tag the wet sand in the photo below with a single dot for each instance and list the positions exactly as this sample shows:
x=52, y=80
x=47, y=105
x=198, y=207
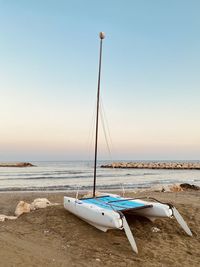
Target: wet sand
x=54, y=237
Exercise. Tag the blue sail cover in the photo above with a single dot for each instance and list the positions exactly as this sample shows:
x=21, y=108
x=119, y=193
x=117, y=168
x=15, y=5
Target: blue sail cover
x=115, y=203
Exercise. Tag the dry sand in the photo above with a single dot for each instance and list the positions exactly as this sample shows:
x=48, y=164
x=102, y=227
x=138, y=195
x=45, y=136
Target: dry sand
x=54, y=237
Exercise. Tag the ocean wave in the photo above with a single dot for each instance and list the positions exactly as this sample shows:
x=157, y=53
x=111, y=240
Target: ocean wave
x=72, y=188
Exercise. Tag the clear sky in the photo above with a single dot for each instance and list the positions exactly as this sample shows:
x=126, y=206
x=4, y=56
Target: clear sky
x=150, y=78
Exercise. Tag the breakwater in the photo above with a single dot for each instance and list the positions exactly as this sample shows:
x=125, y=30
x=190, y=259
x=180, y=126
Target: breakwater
x=17, y=164
x=154, y=165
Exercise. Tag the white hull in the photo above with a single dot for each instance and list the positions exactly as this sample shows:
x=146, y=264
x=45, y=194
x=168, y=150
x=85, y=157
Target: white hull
x=158, y=210
x=104, y=219
x=100, y=218
x=111, y=219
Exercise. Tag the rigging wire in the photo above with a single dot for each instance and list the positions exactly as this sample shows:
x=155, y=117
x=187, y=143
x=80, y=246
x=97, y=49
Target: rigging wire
x=107, y=124
x=102, y=116
x=90, y=139
x=106, y=132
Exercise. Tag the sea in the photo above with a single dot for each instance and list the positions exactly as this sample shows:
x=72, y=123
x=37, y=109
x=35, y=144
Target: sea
x=78, y=175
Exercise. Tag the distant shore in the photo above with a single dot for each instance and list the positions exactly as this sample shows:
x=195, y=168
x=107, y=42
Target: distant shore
x=154, y=165
x=17, y=164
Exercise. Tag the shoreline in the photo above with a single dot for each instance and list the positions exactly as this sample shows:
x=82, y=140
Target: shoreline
x=156, y=187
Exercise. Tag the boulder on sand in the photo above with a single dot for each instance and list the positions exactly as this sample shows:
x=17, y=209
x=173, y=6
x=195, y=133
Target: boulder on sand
x=22, y=207
x=40, y=203
x=176, y=188
x=167, y=188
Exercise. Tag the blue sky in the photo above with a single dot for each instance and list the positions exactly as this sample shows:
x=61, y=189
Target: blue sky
x=150, y=78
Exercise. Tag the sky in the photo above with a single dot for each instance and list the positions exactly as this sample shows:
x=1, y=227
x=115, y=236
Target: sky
x=150, y=79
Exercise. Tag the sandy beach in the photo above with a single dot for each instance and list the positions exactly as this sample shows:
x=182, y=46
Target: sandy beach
x=54, y=237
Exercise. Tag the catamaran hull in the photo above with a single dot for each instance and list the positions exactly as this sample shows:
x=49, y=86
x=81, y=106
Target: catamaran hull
x=98, y=217
x=111, y=218
x=158, y=210
x=105, y=219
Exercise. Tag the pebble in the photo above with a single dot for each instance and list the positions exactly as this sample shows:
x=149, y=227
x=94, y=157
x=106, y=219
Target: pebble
x=155, y=229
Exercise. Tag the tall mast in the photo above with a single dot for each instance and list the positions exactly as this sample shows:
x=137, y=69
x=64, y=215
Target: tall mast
x=101, y=36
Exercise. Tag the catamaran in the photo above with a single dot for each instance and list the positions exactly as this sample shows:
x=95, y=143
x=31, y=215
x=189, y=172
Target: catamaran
x=108, y=211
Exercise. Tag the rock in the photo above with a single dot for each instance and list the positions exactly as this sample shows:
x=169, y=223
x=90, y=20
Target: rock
x=24, y=164
x=22, y=207
x=167, y=188
x=40, y=203
x=186, y=186
x=175, y=188
x=5, y=217
x=154, y=165
x=155, y=229
x=17, y=164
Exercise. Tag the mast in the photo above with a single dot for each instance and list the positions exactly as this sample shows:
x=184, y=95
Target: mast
x=101, y=36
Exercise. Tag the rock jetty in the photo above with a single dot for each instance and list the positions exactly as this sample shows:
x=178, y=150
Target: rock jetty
x=17, y=164
x=153, y=165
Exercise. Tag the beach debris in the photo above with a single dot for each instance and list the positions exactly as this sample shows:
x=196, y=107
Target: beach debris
x=5, y=217
x=22, y=207
x=40, y=203
x=98, y=259
x=167, y=188
x=155, y=229
x=186, y=186
x=46, y=232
